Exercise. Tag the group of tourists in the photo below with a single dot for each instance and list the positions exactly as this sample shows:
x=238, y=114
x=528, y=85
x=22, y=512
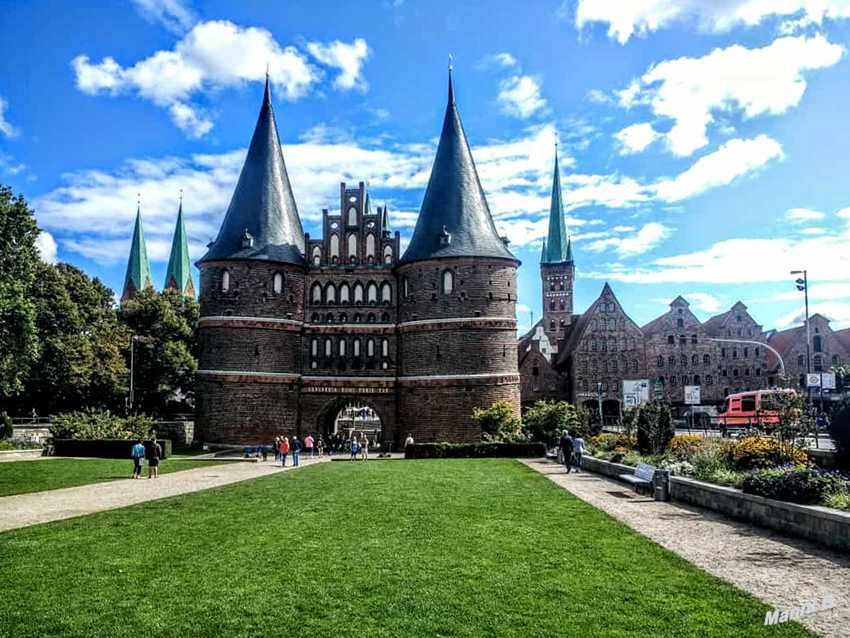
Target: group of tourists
x=572, y=447
x=357, y=445
x=152, y=453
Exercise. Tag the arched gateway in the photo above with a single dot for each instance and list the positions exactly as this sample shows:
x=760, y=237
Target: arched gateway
x=292, y=328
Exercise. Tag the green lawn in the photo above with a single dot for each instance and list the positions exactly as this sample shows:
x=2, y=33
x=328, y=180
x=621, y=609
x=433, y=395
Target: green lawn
x=22, y=477
x=395, y=549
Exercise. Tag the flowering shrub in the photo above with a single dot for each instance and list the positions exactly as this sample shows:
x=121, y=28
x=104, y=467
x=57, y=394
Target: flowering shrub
x=78, y=425
x=678, y=468
x=604, y=442
x=839, y=501
x=794, y=484
x=682, y=447
x=625, y=441
x=764, y=452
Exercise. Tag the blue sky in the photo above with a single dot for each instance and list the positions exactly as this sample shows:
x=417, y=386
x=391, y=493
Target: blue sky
x=703, y=143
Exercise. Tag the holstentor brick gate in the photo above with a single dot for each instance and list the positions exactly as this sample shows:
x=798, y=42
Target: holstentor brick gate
x=293, y=328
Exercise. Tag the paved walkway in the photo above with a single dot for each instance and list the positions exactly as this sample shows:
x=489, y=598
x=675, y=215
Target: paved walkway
x=782, y=571
x=23, y=510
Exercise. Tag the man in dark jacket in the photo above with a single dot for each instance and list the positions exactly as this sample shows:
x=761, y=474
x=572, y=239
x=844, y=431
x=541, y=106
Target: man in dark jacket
x=296, y=450
x=567, y=449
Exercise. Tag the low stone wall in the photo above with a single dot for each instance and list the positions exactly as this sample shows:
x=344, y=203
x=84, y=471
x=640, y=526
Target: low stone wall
x=20, y=455
x=179, y=432
x=813, y=522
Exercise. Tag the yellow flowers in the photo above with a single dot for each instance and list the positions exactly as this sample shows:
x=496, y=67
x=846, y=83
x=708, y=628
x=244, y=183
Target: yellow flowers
x=762, y=451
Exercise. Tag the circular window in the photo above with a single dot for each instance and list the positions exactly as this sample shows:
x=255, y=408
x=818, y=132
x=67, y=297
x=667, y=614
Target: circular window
x=334, y=225
x=370, y=225
x=352, y=199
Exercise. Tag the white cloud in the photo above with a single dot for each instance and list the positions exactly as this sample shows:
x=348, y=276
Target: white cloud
x=626, y=18
x=635, y=138
x=704, y=301
x=348, y=58
x=692, y=91
x=734, y=159
x=521, y=307
x=217, y=55
x=837, y=312
x=5, y=127
x=818, y=292
x=46, y=246
x=812, y=231
x=174, y=15
x=499, y=60
x=647, y=238
x=802, y=215
x=520, y=97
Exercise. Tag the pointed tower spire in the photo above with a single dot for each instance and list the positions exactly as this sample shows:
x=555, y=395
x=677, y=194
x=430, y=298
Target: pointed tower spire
x=557, y=238
x=179, y=273
x=455, y=220
x=368, y=204
x=138, y=275
x=386, y=229
x=263, y=205
x=569, y=256
x=543, y=252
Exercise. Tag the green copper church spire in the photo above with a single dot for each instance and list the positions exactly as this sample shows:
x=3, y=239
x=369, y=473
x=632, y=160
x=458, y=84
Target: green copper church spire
x=386, y=229
x=543, y=253
x=179, y=273
x=138, y=275
x=557, y=245
x=569, y=249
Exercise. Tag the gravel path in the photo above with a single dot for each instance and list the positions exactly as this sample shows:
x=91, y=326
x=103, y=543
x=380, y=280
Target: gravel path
x=23, y=510
x=782, y=571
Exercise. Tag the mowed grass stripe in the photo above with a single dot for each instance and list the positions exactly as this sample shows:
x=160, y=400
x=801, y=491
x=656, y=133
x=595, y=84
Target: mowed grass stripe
x=414, y=548
x=25, y=477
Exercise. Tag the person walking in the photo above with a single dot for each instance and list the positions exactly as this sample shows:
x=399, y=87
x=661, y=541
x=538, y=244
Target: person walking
x=154, y=454
x=364, y=448
x=354, y=447
x=276, y=449
x=408, y=440
x=309, y=442
x=284, y=450
x=320, y=446
x=296, y=450
x=567, y=449
x=578, y=449
x=138, y=459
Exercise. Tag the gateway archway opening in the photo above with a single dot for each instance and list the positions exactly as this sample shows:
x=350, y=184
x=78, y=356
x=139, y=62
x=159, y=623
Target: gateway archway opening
x=349, y=418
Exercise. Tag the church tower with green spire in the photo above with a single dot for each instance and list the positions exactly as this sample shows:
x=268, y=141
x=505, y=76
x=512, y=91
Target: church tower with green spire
x=557, y=268
x=138, y=275
x=179, y=273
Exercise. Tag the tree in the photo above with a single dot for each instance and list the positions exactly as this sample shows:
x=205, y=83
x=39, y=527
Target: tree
x=785, y=416
x=18, y=259
x=164, y=325
x=499, y=422
x=655, y=428
x=546, y=420
x=80, y=365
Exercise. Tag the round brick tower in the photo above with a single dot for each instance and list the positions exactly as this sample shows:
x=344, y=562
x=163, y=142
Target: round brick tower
x=457, y=302
x=252, y=303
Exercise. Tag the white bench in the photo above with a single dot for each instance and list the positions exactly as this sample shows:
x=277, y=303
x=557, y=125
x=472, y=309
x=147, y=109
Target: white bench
x=643, y=475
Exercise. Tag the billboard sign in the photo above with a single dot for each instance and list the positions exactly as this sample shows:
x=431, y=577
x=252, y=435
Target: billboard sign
x=635, y=392
x=692, y=394
x=813, y=380
x=827, y=381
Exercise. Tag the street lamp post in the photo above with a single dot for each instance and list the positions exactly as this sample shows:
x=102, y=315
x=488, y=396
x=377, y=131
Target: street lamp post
x=599, y=395
x=803, y=286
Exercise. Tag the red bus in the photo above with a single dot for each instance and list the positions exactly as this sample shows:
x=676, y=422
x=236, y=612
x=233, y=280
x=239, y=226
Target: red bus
x=748, y=408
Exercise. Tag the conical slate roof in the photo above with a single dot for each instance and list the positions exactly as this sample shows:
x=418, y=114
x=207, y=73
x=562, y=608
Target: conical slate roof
x=454, y=220
x=385, y=221
x=262, y=220
x=558, y=248
x=179, y=273
x=138, y=275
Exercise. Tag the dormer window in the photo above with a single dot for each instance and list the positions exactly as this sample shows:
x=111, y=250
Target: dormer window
x=247, y=240
x=445, y=237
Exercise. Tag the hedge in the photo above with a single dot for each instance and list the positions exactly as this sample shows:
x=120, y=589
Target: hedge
x=473, y=450
x=104, y=448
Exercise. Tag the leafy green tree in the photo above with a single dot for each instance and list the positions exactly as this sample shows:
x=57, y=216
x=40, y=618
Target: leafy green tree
x=655, y=428
x=18, y=259
x=164, y=325
x=839, y=430
x=545, y=420
x=499, y=422
x=786, y=416
x=80, y=365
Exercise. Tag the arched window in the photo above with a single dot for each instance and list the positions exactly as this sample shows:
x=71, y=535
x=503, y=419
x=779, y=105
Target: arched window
x=695, y=360
x=329, y=318
x=683, y=360
x=356, y=347
x=817, y=344
x=682, y=340
x=352, y=247
x=344, y=294
x=385, y=347
x=562, y=305
x=634, y=365
x=372, y=293
x=316, y=293
x=370, y=318
x=671, y=360
x=334, y=246
x=343, y=318
x=405, y=287
x=225, y=281
x=386, y=293
x=388, y=254
x=342, y=347
x=696, y=379
x=612, y=323
x=314, y=347
x=385, y=317
x=706, y=359
x=680, y=323
x=551, y=304
x=734, y=353
x=277, y=283
x=370, y=348
x=448, y=282
x=817, y=362
x=660, y=362
x=562, y=285
x=330, y=294
x=329, y=345
x=709, y=380
x=800, y=360
x=835, y=360
x=552, y=328
x=317, y=255
x=694, y=339
x=358, y=293
x=352, y=216
x=551, y=285
x=370, y=246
